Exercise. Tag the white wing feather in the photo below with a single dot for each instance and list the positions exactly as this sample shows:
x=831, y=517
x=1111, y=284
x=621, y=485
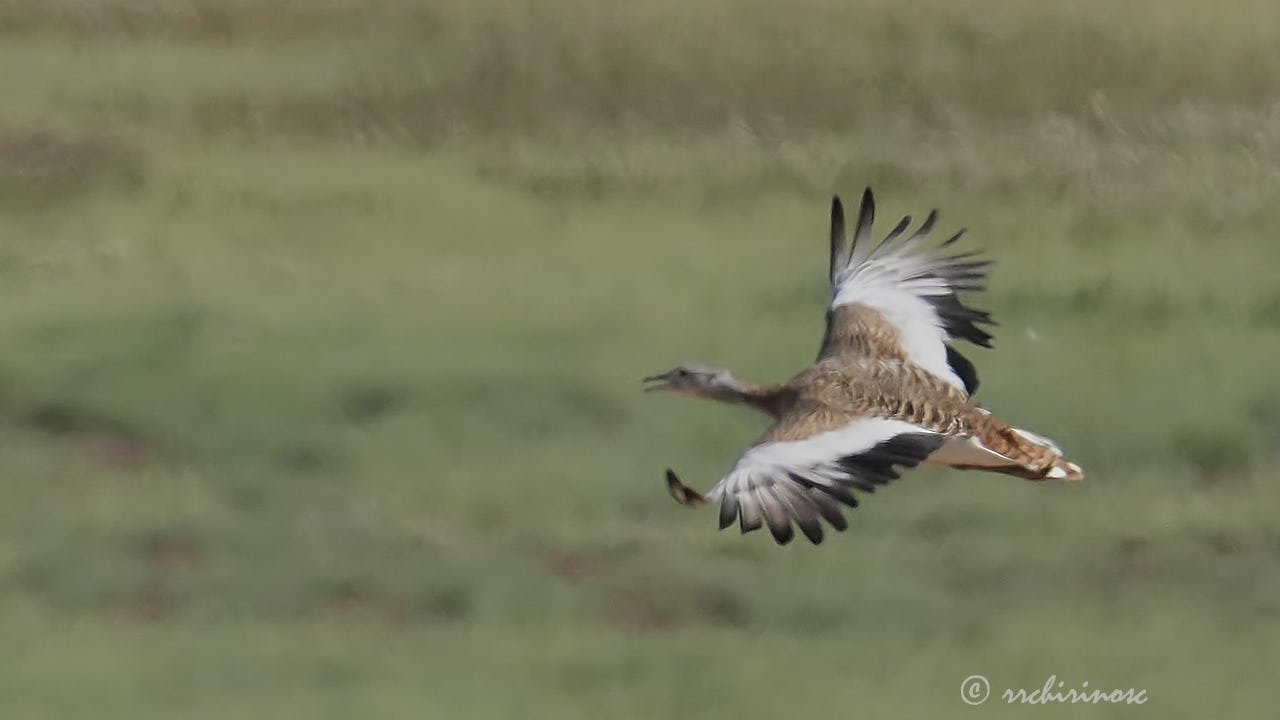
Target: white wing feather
x=785, y=481
x=913, y=286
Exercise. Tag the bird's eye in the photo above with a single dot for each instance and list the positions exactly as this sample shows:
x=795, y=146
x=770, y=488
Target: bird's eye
x=681, y=372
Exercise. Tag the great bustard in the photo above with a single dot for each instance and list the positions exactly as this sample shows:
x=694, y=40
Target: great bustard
x=887, y=389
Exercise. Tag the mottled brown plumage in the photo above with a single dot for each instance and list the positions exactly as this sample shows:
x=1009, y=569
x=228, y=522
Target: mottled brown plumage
x=887, y=390
x=833, y=391
x=861, y=331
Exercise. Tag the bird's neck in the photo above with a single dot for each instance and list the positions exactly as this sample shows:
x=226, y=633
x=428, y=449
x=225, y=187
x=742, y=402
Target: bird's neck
x=773, y=400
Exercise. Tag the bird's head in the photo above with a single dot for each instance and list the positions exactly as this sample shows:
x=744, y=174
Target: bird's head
x=699, y=380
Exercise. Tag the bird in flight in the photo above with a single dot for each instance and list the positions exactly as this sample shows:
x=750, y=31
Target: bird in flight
x=887, y=390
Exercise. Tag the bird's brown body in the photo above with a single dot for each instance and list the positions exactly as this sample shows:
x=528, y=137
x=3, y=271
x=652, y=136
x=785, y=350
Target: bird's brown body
x=827, y=394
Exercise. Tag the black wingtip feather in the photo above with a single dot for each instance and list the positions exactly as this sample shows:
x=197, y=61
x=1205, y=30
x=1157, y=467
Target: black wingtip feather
x=804, y=511
x=837, y=236
x=963, y=369
x=812, y=532
x=866, y=217
x=844, y=496
x=829, y=509
x=897, y=229
x=895, y=232
x=782, y=534
x=927, y=226
x=728, y=510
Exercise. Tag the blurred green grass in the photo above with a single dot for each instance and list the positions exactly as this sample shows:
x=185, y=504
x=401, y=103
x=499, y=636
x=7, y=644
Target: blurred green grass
x=321, y=327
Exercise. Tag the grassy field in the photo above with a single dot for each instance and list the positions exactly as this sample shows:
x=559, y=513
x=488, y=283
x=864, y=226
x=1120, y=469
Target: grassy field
x=322, y=324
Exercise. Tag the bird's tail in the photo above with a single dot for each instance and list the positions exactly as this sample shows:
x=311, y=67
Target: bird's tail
x=1065, y=470
x=1060, y=468
x=1010, y=451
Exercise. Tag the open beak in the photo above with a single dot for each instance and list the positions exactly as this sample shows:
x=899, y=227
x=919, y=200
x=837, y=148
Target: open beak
x=657, y=382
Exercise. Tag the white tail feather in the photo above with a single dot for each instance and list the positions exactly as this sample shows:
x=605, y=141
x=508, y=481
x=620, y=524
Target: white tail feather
x=1040, y=440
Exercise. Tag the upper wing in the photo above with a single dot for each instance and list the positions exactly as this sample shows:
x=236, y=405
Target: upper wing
x=795, y=476
x=898, y=299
